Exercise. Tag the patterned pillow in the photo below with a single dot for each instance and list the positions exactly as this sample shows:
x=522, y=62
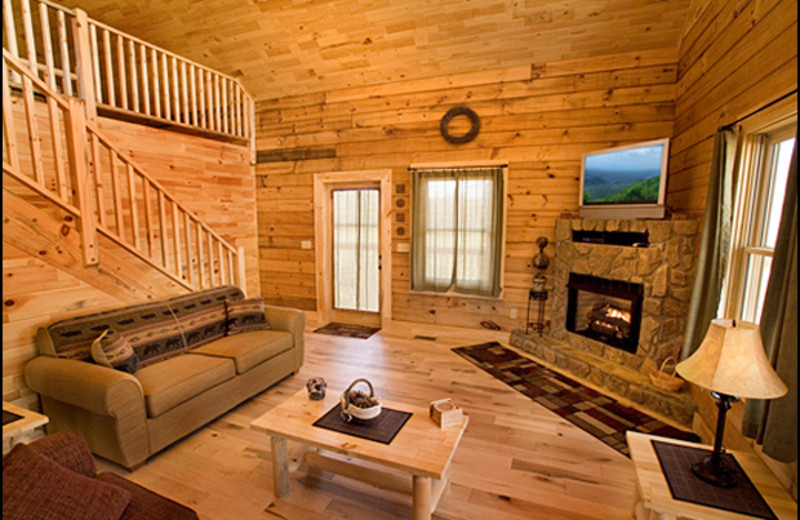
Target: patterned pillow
x=112, y=349
x=245, y=316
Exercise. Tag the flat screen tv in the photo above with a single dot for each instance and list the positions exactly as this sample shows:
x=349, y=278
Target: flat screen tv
x=625, y=182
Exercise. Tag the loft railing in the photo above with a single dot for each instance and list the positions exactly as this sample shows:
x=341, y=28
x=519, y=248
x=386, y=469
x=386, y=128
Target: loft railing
x=64, y=157
x=119, y=73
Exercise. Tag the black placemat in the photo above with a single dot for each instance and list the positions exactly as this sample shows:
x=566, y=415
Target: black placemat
x=9, y=417
x=676, y=464
x=382, y=429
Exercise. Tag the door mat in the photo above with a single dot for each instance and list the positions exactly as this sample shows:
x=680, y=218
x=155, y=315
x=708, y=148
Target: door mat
x=598, y=414
x=348, y=330
x=676, y=464
x=382, y=429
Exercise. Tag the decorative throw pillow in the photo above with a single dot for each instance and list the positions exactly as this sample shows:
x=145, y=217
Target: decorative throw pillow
x=36, y=487
x=111, y=349
x=245, y=316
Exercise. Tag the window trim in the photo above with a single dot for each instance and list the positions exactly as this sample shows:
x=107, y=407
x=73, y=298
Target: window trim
x=752, y=156
x=450, y=293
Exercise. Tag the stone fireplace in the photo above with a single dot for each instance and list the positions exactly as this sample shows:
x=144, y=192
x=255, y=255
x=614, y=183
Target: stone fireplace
x=619, y=299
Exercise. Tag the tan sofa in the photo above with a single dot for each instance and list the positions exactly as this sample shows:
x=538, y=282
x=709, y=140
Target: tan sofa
x=190, y=372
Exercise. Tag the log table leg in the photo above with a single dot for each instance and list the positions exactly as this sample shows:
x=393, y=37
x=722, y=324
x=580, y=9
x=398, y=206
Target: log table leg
x=280, y=467
x=422, y=498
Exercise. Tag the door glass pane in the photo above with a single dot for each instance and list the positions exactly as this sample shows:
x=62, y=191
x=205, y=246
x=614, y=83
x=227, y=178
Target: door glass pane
x=355, y=250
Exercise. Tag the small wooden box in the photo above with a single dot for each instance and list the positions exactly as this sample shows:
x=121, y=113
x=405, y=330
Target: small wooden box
x=446, y=413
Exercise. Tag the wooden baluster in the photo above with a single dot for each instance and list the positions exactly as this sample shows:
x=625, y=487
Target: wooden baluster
x=222, y=280
x=134, y=78
x=76, y=146
x=30, y=43
x=11, y=36
x=8, y=121
x=231, y=267
x=239, y=126
x=184, y=97
x=176, y=240
x=167, y=98
x=123, y=80
x=47, y=44
x=112, y=95
x=200, y=268
x=193, y=91
x=83, y=53
x=98, y=84
x=156, y=86
x=64, y=45
x=211, y=277
x=58, y=155
x=115, y=192
x=187, y=237
x=202, y=85
x=98, y=179
x=241, y=272
x=176, y=99
x=145, y=79
x=33, y=130
x=148, y=218
x=134, y=209
x=162, y=227
x=224, y=96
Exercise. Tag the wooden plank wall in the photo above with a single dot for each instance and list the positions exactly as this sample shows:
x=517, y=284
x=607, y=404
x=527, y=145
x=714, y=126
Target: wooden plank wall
x=735, y=57
x=539, y=118
x=214, y=179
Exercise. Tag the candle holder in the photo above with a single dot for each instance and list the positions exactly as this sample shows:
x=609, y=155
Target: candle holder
x=538, y=294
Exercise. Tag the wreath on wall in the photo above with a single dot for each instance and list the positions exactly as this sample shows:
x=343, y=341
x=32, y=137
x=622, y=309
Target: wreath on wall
x=455, y=112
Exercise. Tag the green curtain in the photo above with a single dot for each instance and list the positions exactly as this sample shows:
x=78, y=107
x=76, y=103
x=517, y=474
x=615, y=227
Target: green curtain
x=714, y=243
x=774, y=423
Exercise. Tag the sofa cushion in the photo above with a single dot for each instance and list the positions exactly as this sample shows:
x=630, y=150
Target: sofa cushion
x=202, y=318
x=171, y=382
x=36, y=487
x=113, y=350
x=250, y=349
x=146, y=504
x=245, y=316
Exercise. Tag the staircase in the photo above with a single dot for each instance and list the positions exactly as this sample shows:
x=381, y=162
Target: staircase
x=73, y=198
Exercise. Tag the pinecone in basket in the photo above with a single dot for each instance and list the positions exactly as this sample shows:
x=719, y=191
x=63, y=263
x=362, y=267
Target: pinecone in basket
x=361, y=400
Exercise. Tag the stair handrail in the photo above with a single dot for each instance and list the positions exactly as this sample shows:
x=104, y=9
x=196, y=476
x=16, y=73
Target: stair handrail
x=83, y=139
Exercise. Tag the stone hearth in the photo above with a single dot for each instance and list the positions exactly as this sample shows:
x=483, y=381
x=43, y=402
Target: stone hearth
x=664, y=268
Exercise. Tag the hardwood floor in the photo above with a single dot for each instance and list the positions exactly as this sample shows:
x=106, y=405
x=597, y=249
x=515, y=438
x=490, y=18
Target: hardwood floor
x=516, y=460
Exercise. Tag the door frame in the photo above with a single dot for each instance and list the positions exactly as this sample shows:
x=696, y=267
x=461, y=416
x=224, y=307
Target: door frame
x=324, y=184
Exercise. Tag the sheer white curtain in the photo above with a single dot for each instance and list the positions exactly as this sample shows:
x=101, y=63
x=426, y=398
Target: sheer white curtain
x=457, y=230
x=355, y=250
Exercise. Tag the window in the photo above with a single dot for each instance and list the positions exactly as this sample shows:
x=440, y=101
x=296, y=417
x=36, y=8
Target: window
x=764, y=168
x=457, y=232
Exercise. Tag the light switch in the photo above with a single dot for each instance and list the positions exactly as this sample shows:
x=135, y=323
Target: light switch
x=305, y=244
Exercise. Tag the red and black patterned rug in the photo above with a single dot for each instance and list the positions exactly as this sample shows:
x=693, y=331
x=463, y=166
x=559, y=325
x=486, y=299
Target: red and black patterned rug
x=348, y=330
x=598, y=414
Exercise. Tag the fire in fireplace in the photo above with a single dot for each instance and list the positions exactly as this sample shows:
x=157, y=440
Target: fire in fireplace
x=605, y=310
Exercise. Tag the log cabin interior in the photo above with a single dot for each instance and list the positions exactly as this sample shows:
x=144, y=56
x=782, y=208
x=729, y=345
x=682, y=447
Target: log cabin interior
x=156, y=149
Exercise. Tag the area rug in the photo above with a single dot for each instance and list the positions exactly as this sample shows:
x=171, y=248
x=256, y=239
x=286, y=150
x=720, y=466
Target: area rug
x=348, y=330
x=598, y=414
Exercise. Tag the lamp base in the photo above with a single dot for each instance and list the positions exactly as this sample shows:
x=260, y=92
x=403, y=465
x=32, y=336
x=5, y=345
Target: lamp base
x=716, y=474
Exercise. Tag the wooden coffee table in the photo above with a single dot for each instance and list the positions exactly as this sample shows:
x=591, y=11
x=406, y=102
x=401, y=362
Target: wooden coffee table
x=420, y=450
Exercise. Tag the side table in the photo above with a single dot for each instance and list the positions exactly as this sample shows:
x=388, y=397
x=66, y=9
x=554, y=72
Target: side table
x=14, y=429
x=653, y=499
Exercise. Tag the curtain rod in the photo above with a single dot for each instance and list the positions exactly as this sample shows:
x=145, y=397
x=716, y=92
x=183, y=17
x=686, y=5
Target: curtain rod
x=730, y=126
x=464, y=167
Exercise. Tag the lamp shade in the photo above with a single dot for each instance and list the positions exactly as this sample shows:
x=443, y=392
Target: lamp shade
x=731, y=360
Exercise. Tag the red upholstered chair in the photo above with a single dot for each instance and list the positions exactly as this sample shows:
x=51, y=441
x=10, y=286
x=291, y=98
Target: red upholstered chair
x=55, y=477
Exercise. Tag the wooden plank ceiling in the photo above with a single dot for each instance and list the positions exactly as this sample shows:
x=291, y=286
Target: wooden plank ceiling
x=286, y=47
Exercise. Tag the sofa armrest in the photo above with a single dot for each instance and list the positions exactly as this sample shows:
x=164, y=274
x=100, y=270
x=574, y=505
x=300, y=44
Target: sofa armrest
x=98, y=389
x=291, y=320
x=67, y=449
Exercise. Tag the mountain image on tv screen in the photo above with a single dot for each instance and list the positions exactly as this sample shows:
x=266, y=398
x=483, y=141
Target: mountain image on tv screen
x=623, y=176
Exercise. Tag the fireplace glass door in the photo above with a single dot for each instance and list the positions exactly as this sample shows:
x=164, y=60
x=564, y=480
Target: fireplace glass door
x=609, y=311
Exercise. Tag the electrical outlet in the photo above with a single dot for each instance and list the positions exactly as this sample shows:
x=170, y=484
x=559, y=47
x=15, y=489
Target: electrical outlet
x=513, y=314
x=305, y=244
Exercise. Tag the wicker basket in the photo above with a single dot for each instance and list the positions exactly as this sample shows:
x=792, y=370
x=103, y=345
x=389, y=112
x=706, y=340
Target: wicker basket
x=664, y=381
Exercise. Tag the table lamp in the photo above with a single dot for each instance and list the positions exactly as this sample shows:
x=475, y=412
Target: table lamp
x=730, y=362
